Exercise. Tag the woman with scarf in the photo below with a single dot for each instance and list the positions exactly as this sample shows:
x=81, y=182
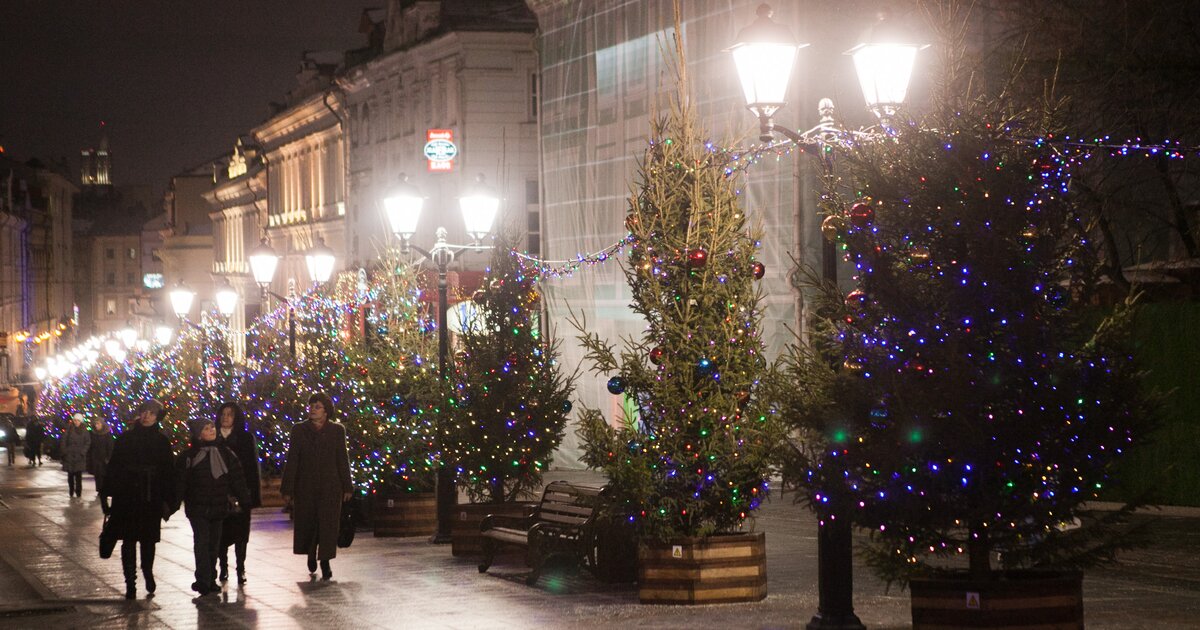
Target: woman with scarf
x=235, y=531
x=210, y=482
x=141, y=484
x=316, y=477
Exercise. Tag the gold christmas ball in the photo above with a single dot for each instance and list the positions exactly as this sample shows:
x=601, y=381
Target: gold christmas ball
x=830, y=227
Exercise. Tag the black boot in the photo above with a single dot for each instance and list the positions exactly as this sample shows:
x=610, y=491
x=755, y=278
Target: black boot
x=129, y=568
x=326, y=572
x=239, y=551
x=148, y=566
x=312, y=563
x=223, y=560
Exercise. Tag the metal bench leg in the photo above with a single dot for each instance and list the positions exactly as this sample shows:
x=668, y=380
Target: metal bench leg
x=489, y=554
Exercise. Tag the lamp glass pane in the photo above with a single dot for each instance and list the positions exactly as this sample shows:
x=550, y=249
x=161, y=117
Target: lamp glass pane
x=181, y=301
x=402, y=212
x=479, y=213
x=227, y=300
x=262, y=265
x=884, y=71
x=320, y=265
x=765, y=70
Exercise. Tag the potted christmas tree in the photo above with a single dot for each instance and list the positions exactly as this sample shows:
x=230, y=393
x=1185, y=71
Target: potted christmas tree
x=509, y=400
x=689, y=466
x=962, y=402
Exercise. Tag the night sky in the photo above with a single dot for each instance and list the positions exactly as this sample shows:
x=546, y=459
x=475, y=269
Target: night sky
x=174, y=81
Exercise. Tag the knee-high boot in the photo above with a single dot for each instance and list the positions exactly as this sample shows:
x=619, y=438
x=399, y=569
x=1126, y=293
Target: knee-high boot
x=148, y=565
x=129, y=567
x=239, y=549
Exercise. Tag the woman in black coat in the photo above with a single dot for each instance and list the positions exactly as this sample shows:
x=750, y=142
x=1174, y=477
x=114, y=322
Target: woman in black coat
x=210, y=479
x=100, y=450
x=235, y=531
x=141, y=484
x=317, y=477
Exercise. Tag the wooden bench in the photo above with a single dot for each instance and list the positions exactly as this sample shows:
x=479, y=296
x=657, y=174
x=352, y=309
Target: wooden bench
x=562, y=524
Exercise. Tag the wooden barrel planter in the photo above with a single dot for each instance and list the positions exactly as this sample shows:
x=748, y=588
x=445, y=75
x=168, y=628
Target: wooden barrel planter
x=404, y=515
x=712, y=570
x=1015, y=599
x=269, y=489
x=464, y=530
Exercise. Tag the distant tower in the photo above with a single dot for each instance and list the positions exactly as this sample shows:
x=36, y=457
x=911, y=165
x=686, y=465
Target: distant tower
x=96, y=166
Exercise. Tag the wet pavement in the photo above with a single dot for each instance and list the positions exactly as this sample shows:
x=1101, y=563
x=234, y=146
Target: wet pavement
x=52, y=576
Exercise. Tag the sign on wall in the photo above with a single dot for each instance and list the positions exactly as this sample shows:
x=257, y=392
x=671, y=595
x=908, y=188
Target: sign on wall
x=440, y=150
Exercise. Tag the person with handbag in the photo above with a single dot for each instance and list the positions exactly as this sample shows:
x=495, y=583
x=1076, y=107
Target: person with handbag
x=76, y=441
x=316, y=477
x=211, y=486
x=235, y=531
x=140, y=481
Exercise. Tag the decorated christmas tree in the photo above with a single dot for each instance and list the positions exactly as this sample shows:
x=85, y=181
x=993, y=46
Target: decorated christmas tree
x=963, y=399
x=510, y=399
x=692, y=457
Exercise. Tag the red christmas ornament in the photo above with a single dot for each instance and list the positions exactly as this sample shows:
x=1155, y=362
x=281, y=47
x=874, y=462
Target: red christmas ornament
x=759, y=270
x=743, y=399
x=856, y=298
x=862, y=215
x=697, y=258
x=656, y=355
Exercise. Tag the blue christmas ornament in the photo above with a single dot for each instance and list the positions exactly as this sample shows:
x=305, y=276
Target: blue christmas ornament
x=566, y=406
x=616, y=385
x=704, y=366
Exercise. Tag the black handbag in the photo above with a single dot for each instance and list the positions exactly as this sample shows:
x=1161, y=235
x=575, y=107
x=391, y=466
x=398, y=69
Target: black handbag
x=346, y=527
x=108, y=538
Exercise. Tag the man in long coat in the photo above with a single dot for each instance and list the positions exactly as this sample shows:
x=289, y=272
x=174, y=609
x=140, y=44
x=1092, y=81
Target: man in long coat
x=141, y=483
x=316, y=477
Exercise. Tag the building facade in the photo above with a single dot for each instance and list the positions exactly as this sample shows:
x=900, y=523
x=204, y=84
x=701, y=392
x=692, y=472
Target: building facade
x=187, y=238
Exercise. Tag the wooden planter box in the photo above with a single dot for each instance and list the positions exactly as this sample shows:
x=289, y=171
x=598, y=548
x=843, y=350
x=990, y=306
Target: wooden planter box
x=464, y=530
x=712, y=570
x=404, y=515
x=269, y=487
x=1015, y=599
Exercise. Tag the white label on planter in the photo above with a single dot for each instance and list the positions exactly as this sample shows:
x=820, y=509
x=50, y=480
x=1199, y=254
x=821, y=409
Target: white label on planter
x=391, y=503
x=972, y=600
x=676, y=551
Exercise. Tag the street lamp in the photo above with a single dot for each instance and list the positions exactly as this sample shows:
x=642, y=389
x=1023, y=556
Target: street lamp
x=320, y=260
x=479, y=207
x=227, y=298
x=181, y=299
x=764, y=54
x=264, y=261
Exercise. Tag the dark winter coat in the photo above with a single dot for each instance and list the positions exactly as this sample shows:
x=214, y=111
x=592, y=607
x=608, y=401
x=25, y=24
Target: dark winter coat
x=35, y=432
x=99, y=453
x=141, y=482
x=202, y=495
x=316, y=475
x=75, y=443
x=236, y=528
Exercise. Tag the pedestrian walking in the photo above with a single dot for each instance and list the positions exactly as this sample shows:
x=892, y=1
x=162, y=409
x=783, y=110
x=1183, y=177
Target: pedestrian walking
x=8, y=437
x=316, y=479
x=141, y=483
x=76, y=441
x=211, y=486
x=35, y=432
x=100, y=451
x=235, y=531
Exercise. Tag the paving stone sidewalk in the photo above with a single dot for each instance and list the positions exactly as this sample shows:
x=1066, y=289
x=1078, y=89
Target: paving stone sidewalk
x=51, y=576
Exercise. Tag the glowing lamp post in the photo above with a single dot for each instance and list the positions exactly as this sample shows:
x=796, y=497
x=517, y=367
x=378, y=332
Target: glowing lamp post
x=479, y=207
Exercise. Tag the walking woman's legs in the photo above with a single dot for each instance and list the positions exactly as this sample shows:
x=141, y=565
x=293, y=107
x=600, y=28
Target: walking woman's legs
x=129, y=566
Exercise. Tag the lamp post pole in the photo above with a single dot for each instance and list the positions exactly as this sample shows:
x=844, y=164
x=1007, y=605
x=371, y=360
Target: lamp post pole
x=402, y=208
x=764, y=53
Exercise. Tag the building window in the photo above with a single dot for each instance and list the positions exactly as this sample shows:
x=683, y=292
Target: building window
x=110, y=253
x=129, y=278
x=132, y=253
x=153, y=280
x=110, y=307
x=110, y=279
